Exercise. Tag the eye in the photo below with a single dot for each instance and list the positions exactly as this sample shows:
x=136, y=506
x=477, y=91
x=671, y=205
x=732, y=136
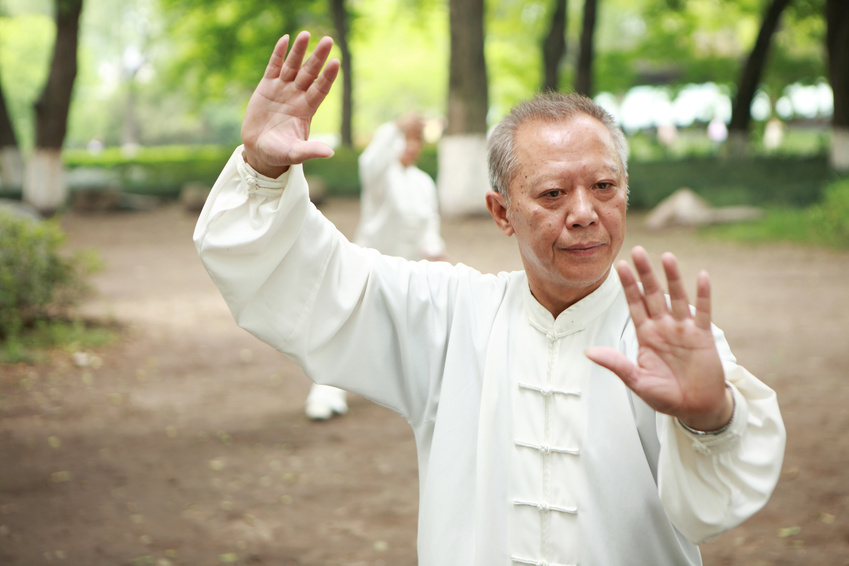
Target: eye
x=603, y=185
x=553, y=193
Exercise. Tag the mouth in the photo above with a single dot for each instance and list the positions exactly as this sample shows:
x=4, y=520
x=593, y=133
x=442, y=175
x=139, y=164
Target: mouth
x=583, y=247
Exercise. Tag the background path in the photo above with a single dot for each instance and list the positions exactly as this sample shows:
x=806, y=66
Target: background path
x=186, y=442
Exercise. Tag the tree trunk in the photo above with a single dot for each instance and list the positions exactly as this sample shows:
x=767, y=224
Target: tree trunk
x=837, y=47
x=554, y=46
x=130, y=128
x=586, y=56
x=340, y=21
x=11, y=164
x=45, y=189
x=750, y=78
x=462, y=180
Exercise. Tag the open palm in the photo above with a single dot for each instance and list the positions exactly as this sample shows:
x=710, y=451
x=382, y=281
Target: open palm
x=276, y=127
x=678, y=370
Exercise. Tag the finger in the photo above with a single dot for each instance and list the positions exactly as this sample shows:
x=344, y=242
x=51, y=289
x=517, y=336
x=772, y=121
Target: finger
x=636, y=304
x=310, y=71
x=680, y=304
x=275, y=63
x=702, y=318
x=654, y=297
x=321, y=87
x=615, y=361
x=293, y=61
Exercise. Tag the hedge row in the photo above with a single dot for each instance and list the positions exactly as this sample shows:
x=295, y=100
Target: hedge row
x=763, y=181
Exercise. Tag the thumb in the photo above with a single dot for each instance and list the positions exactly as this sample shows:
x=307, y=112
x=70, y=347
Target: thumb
x=307, y=150
x=613, y=360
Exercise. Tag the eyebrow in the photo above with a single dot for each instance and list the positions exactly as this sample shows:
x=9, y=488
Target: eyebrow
x=609, y=167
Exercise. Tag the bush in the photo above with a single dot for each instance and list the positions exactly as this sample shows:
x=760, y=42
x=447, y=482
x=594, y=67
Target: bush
x=825, y=223
x=779, y=181
x=830, y=218
x=775, y=180
x=36, y=281
x=163, y=171
x=157, y=171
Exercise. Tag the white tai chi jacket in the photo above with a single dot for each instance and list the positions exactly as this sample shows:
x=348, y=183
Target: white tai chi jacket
x=528, y=452
x=399, y=207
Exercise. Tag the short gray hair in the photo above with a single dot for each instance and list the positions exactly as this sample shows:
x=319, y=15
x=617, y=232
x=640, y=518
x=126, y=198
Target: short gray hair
x=547, y=107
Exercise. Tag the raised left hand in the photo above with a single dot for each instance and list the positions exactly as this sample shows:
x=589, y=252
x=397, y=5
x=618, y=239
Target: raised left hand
x=678, y=370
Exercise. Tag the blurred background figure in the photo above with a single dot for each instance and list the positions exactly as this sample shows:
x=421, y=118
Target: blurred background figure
x=399, y=215
x=773, y=134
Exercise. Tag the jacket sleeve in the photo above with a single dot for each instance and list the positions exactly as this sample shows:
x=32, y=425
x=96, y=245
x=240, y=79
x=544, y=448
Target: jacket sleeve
x=711, y=483
x=386, y=146
x=348, y=316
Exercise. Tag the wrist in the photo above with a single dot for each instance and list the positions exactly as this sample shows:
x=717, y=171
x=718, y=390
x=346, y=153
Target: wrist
x=271, y=171
x=713, y=425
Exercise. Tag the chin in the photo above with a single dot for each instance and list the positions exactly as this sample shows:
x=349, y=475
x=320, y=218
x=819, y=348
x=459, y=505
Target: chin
x=585, y=280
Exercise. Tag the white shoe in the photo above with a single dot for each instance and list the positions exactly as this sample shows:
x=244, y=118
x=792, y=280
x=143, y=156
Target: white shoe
x=325, y=401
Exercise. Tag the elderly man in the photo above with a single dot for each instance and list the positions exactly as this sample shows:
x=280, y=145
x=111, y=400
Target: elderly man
x=562, y=414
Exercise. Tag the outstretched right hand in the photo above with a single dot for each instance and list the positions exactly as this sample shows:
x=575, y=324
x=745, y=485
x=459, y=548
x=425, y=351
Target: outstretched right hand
x=276, y=128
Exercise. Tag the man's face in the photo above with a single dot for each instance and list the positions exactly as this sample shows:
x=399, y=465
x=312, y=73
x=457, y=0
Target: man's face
x=412, y=150
x=567, y=208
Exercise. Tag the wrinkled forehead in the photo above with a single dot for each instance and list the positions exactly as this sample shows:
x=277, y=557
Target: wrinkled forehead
x=574, y=138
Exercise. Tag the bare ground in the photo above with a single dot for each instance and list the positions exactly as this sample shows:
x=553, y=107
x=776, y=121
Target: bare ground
x=185, y=442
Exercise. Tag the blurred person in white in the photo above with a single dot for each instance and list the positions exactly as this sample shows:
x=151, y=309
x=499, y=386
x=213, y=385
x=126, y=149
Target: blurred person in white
x=563, y=414
x=399, y=216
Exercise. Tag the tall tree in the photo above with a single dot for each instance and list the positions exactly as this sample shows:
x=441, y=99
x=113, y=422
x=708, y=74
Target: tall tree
x=554, y=45
x=586, y=55
x=11, y=163
x=462, y=179
x=750, y=78
x=340, y=22
x=44, y=182
x=467, y=86
x=837, y=47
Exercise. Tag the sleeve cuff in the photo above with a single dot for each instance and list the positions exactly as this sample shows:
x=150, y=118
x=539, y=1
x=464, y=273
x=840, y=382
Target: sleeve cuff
x=257, y=182
x=728, y=436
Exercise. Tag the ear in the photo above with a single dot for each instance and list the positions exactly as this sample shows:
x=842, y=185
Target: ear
x=496, y=203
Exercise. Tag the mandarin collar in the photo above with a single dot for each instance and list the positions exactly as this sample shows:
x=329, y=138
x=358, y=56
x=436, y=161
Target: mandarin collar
x=577, y=316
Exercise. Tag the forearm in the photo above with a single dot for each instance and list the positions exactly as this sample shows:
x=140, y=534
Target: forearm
x=711, y=483
x=385, y=148
x=249, y=234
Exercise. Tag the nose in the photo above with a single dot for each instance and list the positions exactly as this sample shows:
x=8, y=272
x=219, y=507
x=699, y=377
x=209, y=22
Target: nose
x=582, y=212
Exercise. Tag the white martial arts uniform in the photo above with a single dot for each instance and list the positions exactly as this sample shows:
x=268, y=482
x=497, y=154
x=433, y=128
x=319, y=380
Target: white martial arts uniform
x=399, y=209
x=528, y=452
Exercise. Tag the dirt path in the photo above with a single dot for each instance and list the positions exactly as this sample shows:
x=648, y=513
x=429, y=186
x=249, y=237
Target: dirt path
x=186, y=442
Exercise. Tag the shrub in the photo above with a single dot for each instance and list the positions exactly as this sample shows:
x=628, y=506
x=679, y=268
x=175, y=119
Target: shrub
x=157, y=171
x=830, y=218
x=36, y=281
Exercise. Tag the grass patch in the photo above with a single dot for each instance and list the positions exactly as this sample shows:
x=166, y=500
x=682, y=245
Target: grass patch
x=825, y=224
x=34, y=344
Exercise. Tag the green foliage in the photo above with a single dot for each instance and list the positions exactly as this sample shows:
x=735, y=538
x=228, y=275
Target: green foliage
x=823, y=224
x=220, y=44
x=339, y=173
x=160, y=171
x=72, y=335
x=37, y=282
x=25, y=43
x=760, y=181
x=414, y=77
x=830, y=219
